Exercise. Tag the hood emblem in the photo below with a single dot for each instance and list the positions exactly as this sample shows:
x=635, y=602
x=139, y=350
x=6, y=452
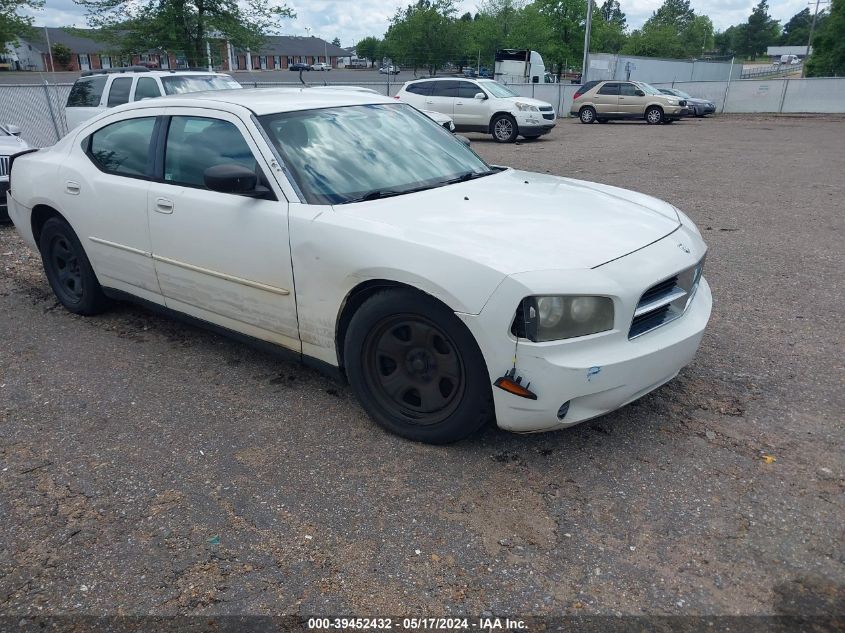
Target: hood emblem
x=683, y=247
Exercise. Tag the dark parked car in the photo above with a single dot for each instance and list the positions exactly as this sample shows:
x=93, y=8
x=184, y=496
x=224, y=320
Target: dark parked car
x=299, y=66
x=695, y=107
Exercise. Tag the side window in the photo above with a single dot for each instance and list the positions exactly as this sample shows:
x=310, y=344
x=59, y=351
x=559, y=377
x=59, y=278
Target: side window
x=628, y=90
x=422, y=88
x=123, y=147
x=196, y=143
x=445, y=89
x=467, y=89
x=119, y=91
x=609, y=89
x=86, y=93
x=146, y=88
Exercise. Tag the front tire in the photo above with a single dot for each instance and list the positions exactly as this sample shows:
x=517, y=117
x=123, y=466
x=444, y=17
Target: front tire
x=504, y=129
x=68, y=270
x=416, y=369
x=654, y=115
x=587, y=114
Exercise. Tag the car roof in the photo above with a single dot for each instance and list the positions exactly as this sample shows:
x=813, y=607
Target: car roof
x=265, y=100
x=461, y=78
x=150, y=73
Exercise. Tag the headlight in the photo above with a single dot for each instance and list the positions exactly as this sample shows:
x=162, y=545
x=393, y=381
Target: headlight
x=673, y=101
x=526, y=107
x=554, y=317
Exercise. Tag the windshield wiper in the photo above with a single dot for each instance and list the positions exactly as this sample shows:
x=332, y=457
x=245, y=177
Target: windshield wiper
x=377, y=194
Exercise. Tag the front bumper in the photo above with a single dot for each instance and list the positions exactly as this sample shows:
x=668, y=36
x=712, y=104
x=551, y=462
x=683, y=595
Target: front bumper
x=535, y=123
x=599, y=373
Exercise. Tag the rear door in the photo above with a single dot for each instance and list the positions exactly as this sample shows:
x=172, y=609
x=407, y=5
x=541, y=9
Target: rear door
x=442, y=97
x=104, y=190
x=607, y=98
x=469, y=111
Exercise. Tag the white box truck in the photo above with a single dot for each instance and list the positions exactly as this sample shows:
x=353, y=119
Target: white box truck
x=519, y=67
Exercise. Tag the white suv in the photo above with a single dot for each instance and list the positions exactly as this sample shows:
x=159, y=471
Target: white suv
x=97, y=90
x=10, y=144
x=482, y=105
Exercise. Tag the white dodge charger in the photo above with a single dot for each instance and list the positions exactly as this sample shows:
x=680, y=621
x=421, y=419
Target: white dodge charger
x=360, y=235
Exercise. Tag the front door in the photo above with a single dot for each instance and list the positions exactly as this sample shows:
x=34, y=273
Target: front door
x=630, y=103
x=469, y=111
x=607, y=99
x=223, y=258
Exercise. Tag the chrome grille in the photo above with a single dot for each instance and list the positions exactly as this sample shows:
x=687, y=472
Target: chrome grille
x=665, y=301
x=4, y=165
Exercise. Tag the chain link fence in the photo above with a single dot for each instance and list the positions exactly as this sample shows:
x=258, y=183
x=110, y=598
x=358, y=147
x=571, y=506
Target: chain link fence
x=39, y=110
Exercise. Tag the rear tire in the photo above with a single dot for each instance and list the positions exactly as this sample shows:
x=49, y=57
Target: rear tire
x=68, y=270
x=504, y=129
x=416, y=369
x=654, y=115
x=587, y=114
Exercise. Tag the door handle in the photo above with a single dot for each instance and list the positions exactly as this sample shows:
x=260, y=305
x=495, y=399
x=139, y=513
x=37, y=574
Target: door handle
x=429, y=102
x=459, y=103
x=72, y=188
x=163, y=205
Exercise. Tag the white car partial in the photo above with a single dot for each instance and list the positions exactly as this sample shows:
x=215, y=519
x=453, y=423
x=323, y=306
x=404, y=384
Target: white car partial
x=10, y=143
x=356, y=234
x=481, y=105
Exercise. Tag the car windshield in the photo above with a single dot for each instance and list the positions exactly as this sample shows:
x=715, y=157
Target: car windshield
x=357, y=153
x=647, y=88
x=681, y=93
x=180, y=84
x=499, y=90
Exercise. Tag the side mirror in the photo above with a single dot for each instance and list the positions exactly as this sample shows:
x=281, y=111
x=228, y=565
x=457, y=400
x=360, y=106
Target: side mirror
x=14, y=130
x=232, y=178
x=480, y=96
x=639, y=93
x=462, y=139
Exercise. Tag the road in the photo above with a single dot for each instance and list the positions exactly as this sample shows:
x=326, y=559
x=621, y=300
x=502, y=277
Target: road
x=147, y=467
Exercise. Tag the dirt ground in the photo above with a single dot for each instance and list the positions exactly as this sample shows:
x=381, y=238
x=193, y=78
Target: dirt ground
x=152, y=468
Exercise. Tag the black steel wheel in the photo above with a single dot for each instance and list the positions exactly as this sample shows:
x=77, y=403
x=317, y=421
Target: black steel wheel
x=416, y=368
x=413, y=369
x=68, y=270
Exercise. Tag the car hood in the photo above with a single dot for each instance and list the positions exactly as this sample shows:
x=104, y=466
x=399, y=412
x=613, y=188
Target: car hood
x=530, y=101
x=697, y=100
x=12, y=144
x=517, y=221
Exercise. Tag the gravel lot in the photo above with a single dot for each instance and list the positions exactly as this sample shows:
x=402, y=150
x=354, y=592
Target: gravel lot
x=152, y=468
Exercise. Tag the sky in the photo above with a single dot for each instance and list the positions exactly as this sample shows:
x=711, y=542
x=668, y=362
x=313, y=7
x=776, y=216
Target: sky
x=353, y=20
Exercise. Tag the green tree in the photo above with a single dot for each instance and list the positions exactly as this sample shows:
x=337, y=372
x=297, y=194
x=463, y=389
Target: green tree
x=423, y=35
x=336, y=41
x=61, y=54
x=673, y=30
x=369, y=48
x=184, y=25
x=760, y=31
x=14, y=25
x=828, y=56
x=609, y=26
x=728, y=41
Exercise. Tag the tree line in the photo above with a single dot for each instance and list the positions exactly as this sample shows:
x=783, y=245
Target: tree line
x=428, y=35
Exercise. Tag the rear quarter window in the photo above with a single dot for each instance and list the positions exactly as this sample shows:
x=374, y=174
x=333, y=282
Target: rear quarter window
x=86, y=93
x=119, y=91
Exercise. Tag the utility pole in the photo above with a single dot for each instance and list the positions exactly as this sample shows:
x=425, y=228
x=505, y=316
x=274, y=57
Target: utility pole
x=49, y=50
x=587, y=42
x=810, y=39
